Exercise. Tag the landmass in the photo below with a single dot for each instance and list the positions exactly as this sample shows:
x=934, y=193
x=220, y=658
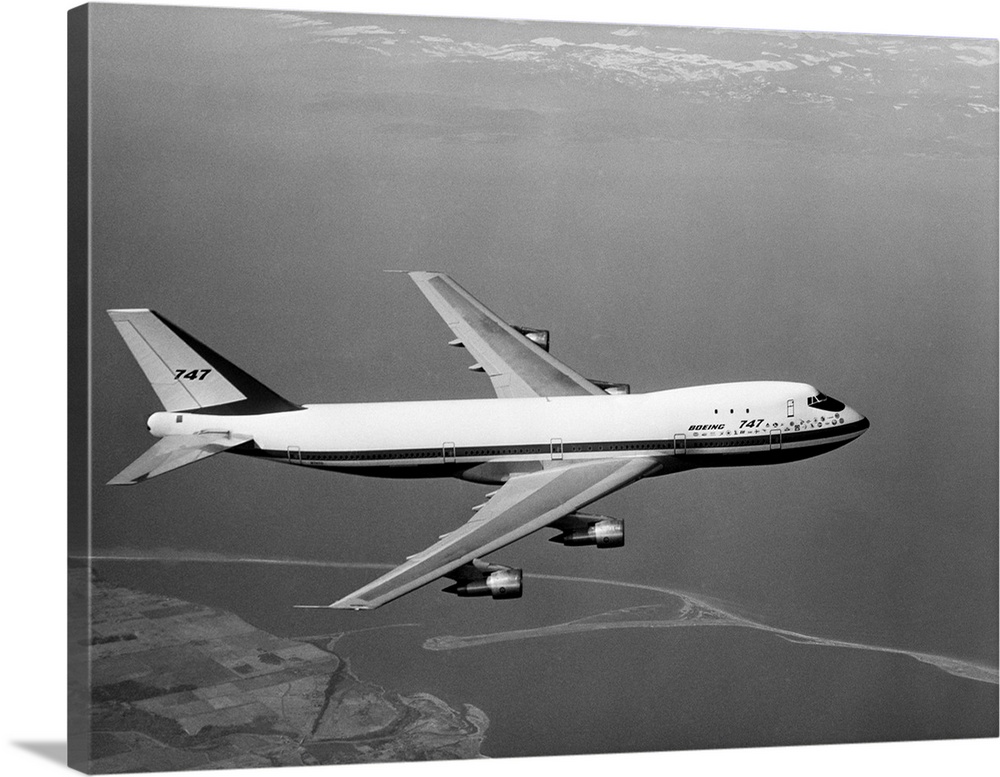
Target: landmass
x=683, y=610
x=175, y=685
x=690, y=611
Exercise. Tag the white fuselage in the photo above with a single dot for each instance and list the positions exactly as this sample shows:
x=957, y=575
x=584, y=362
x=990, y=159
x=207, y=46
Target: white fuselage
x=487, y=440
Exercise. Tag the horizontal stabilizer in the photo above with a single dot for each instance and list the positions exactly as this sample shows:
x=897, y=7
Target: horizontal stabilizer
x=175, y=451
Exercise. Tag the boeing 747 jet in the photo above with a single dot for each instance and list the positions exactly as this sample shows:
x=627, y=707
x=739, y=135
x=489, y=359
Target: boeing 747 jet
x=552, y=441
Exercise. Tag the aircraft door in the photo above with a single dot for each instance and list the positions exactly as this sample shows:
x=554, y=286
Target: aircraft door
x=774, y=440
x=448, y=452
x=294, y=454
x=556, y=448
x=680, y=444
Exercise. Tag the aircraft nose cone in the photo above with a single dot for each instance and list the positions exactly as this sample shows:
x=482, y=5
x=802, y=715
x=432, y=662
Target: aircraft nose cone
x=858, y=421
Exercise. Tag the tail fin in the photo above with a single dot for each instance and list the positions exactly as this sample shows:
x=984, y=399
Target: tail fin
x=188, y=375
x=173, y=452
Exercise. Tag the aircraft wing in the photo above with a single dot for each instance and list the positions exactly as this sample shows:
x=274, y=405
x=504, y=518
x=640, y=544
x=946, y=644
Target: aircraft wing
x=524, y=504
x=516, y=366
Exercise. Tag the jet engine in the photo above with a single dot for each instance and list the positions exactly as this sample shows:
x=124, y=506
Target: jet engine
x=612, y=388
x=477, y=578
x=582, y=529
x=539, y=337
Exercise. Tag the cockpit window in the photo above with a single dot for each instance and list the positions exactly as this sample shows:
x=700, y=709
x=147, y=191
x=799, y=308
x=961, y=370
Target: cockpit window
x=823, y=402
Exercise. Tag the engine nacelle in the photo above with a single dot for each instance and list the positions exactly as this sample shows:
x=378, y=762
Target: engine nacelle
x=502, y=584
x=612, y=388
x=539, y=337
x=606, y=533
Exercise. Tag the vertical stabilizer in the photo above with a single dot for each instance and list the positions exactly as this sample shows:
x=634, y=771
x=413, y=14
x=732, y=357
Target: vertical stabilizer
x=188, y=375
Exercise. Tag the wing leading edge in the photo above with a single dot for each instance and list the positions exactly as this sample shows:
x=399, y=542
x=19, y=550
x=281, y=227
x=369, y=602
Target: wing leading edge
x=516, y=366
x=524, y=504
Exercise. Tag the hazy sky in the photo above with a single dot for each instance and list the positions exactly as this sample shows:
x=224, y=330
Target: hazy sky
x=676, y=206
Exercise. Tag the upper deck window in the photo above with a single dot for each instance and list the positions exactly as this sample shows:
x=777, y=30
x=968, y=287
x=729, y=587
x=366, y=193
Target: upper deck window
x=823, y=402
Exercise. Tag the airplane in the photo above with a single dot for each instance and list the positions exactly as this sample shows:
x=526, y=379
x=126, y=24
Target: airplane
x=552, y=440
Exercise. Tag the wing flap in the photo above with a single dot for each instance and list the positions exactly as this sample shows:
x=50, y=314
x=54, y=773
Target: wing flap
x=515, y=365
x=523, y=505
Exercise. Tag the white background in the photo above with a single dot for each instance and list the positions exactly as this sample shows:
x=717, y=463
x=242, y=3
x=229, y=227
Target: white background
x=33, y=288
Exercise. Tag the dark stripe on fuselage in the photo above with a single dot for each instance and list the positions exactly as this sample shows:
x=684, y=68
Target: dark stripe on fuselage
x=707, y=452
